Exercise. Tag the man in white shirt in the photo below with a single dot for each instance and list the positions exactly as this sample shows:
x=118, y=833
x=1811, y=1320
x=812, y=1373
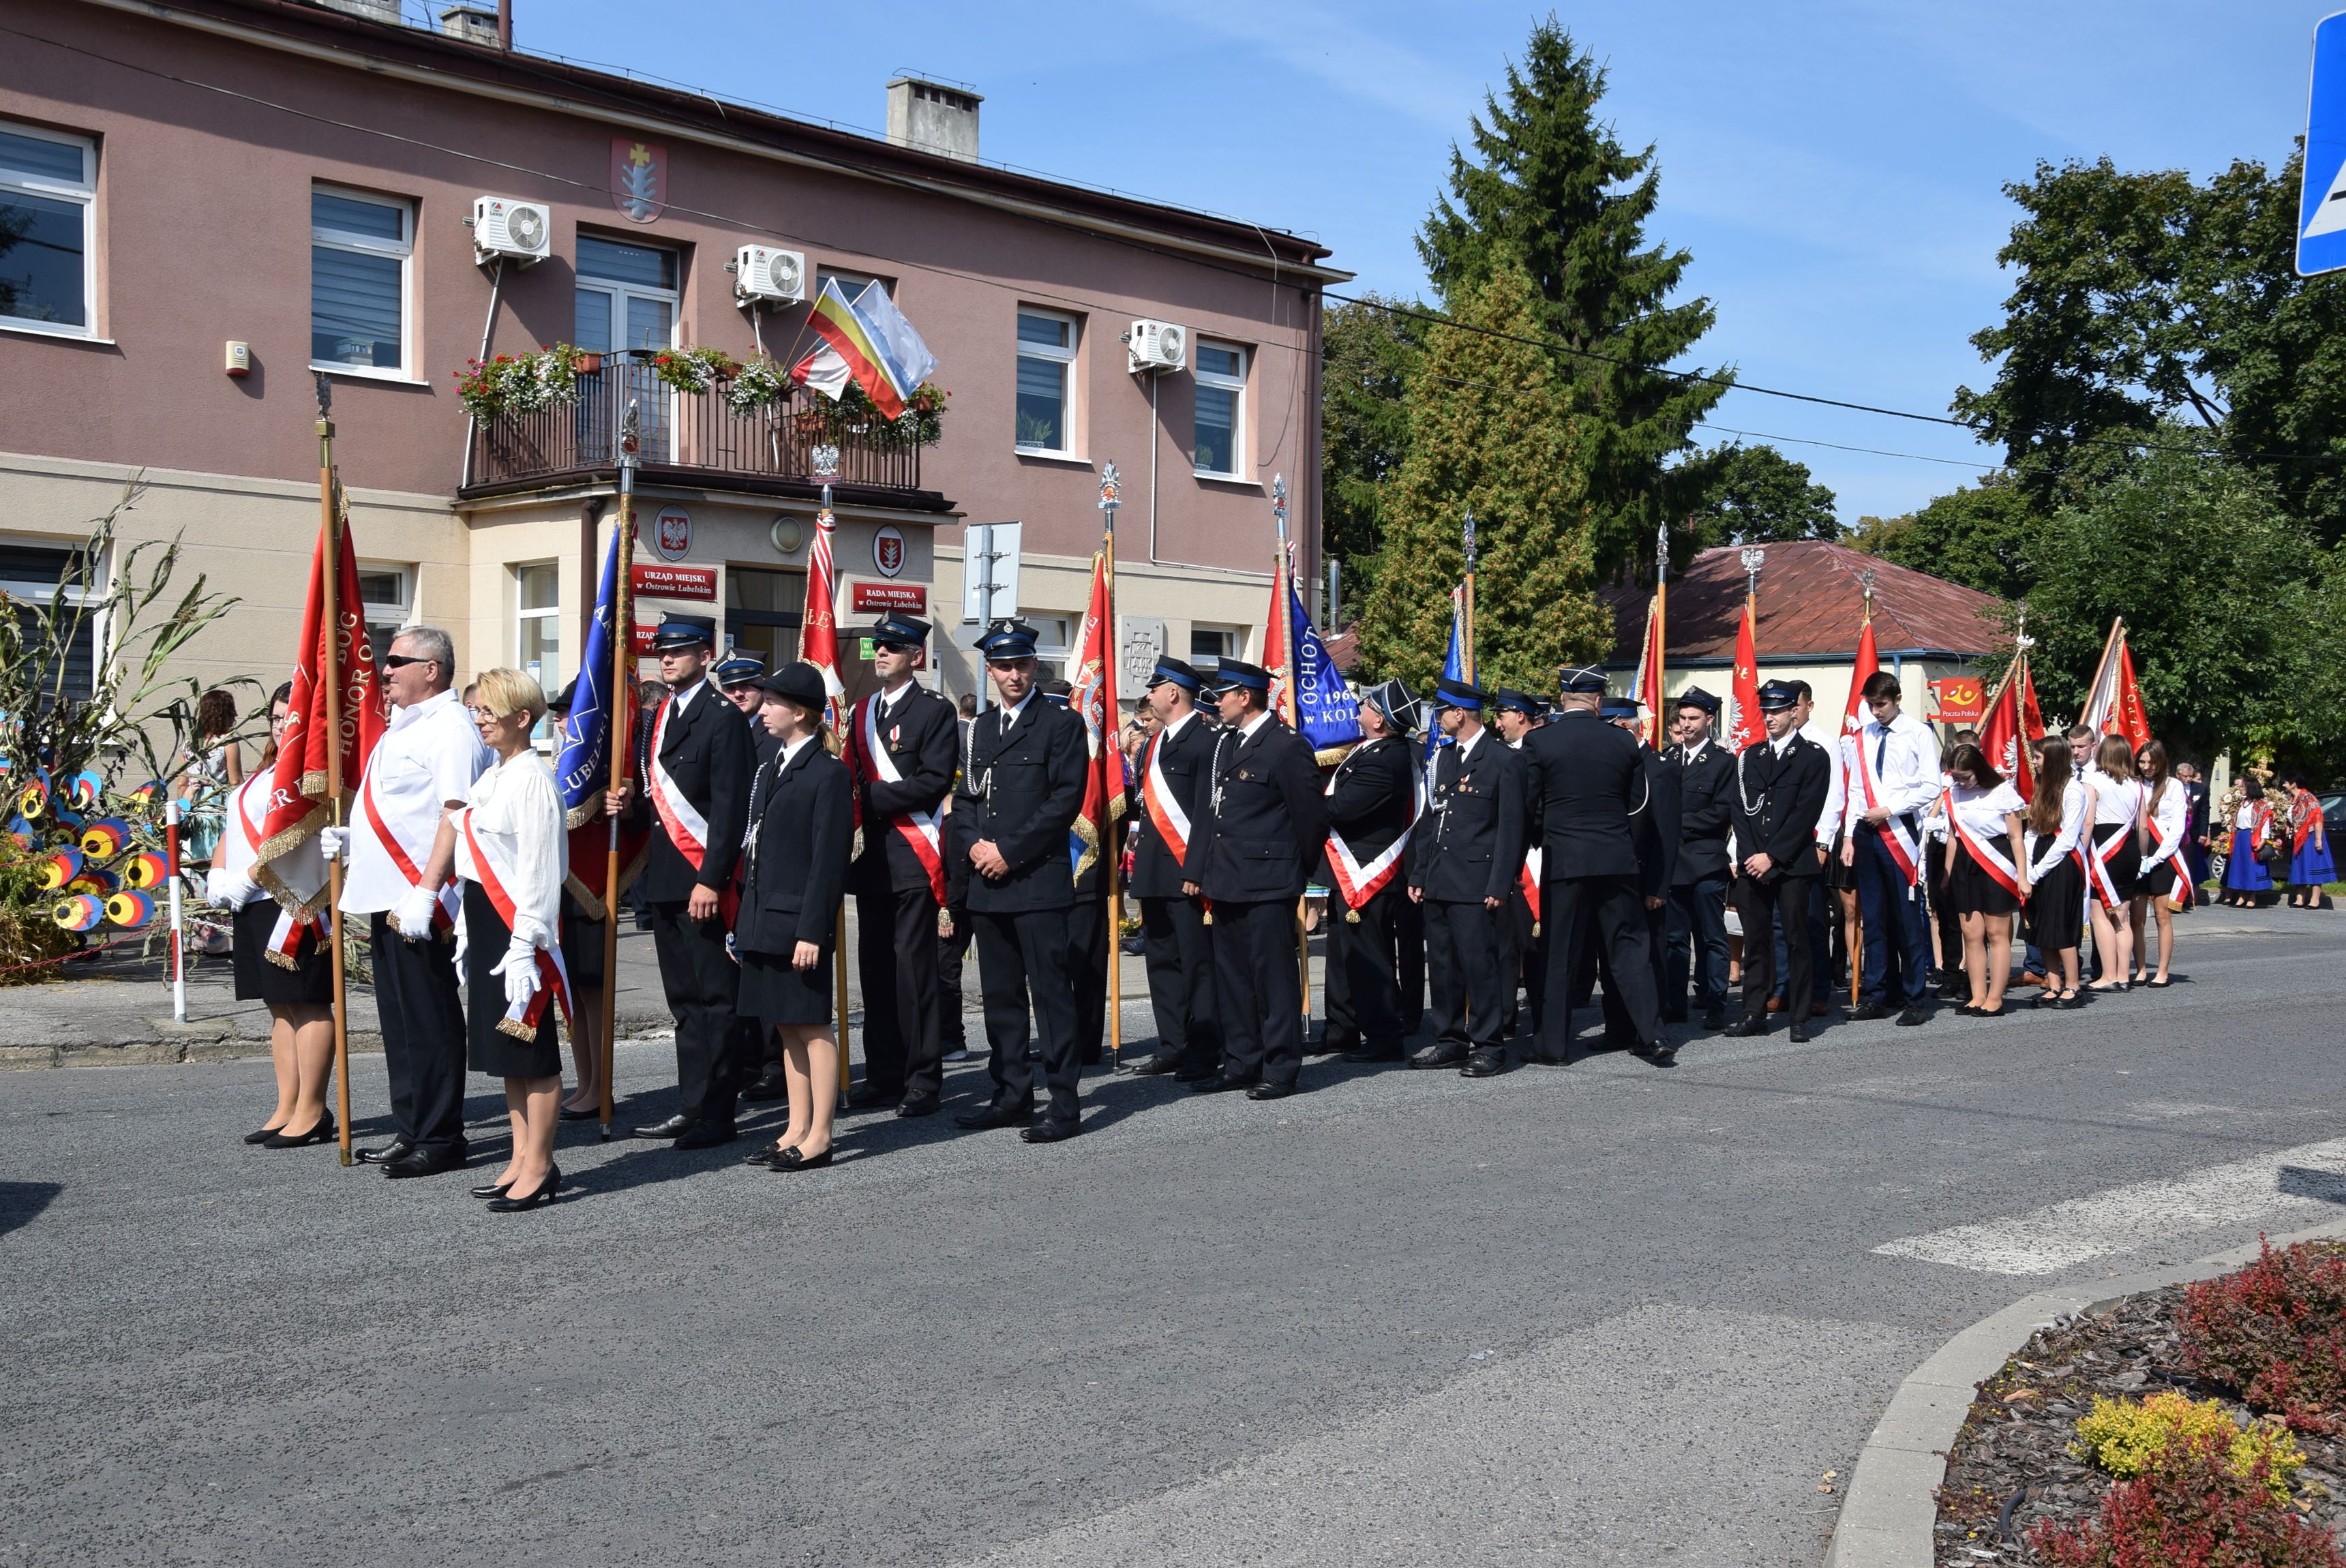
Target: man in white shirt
x=424, y=766
x=1895, y=779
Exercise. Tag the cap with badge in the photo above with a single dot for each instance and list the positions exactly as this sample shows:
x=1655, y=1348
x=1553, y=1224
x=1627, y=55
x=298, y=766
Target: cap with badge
x=1171, y=671
x=1507, y=699
x=1775, y=696
x=902, y=632
x=674, y=635
x=1583, y=680
x=1237, y=673
x=1694, y=696
x=1007, y=640
x=1617, y=707
x=1450, y=693
x=1393, y=699
x=798, y=682
x=740, y=669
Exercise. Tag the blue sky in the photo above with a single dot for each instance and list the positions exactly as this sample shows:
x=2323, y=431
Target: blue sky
x=1834, y=165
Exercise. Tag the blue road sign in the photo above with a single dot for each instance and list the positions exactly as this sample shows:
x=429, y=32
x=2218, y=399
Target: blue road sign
x=2321, y=205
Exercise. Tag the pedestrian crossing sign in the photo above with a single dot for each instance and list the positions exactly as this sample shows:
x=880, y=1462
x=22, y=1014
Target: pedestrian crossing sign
x=2321, y=203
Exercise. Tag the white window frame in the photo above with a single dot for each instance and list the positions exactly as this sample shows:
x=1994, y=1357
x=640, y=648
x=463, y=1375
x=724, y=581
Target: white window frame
x=84, y=193
x=850, y=283
x=1054, y=638
x=1233, y=640
x=368, y=244
x=620, y=294
x=1066, y=358
x=45, y=592
x=385, y=616
x=542, y=736
x=1237, y=386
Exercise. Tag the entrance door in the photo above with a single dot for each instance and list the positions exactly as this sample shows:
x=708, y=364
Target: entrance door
x=764, y=610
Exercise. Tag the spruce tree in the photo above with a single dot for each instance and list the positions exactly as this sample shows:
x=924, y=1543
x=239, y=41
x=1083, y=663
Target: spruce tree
x=1554, y=193
x=1490, y=429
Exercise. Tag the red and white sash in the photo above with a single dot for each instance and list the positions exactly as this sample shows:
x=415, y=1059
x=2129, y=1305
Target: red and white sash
x=285, y=936
x=521, y=1020
x=1355, y=882
x=687, y=829
x=1903, y=846
x=1528, y=879
x=1993, y=863
x=918, y=827
x=404, y=856
x=1157, y=797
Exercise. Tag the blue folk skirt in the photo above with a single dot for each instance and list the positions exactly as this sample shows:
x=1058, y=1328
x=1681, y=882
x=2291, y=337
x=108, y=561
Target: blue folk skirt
x=2243, y=872
x=2311, y=865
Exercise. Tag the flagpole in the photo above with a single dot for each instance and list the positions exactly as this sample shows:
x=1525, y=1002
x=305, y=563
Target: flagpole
x=1283, y=595
x=842, y=711
x=2109, y=646
x=1467, y=635
x=1857, y=950
x=1661, y=629
x=331, y=671
x=623, y=749
x=1110, y=751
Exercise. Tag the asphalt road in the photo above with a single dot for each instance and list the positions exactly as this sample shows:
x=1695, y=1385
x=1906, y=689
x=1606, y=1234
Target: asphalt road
x=1605, y=1314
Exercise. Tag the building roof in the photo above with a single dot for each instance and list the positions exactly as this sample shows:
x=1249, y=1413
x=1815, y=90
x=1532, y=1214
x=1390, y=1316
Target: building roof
x=1811, y=602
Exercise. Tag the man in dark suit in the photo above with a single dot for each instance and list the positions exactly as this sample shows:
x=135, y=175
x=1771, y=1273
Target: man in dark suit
x=1266, y=823
x=904, y=748
x=1169, y=799
x=1697, y=925
x=1586, y=783
x=1779, y=793
x=1657, y=828
x=1514, y=715
x=1017, y=799
x=695, y=803
x=742, y=678
x=1372, y=800
x=1463, y=866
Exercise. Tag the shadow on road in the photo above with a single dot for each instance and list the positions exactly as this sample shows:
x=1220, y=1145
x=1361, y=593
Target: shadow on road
x=21, y=1202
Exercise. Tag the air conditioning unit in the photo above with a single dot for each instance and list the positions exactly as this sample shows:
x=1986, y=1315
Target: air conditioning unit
x=519, y=231
x=762, y=272
x=1157, y=346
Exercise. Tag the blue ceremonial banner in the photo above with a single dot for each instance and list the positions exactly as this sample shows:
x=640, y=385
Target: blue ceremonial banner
x=582, y=762
x=1325, y=713
x=1453, y=668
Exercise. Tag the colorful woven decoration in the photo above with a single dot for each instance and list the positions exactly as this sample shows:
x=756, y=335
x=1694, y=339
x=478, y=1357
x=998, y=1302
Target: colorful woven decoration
x=105, y=838
x=131, y=910
x=83, y=911
x=60, y=869
x=144, y=870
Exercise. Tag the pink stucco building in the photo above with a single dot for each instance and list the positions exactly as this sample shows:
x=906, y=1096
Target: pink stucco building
x=299, y=183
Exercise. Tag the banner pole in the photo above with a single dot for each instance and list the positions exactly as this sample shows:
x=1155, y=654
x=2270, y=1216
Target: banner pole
x=1110, y=767
x=620, y=729
x=178, y=930
x=1283, y=581
x=330, y=668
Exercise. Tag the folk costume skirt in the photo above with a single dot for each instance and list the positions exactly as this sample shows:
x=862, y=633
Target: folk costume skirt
x=773, y=991
x=489, y=1049
x=2056, y=907
x=2311, y=865
x=2125, y=863
x=1971, y=890
x=2243, y=872
x=308, y=984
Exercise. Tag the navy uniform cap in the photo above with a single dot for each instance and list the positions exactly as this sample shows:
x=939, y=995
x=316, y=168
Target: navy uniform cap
x=682, y=635
x=1617, y=707
x=1170, y=671
x=1006, y=640
x=1393, y=699
x=892, y=630
x=1507, y=699
x=1237, y=672
x=798, y=682
x=1448, y=693
x=740, y=669
x=1694, y=696
x=1775, y=696
x=1586, y=677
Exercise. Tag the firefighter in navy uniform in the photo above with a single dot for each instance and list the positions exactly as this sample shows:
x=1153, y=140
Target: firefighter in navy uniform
x=1265, y=825
x=1779, y=788
x=906, y=741
x=695, y=803
x=1169, y=799
x=1514, y=715
x=1372, y=800
x=1657, y=828
x=1017, y=798
x=1586, y=783
x=1463, y=862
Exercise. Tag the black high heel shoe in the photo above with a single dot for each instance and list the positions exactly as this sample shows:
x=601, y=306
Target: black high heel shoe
x=262, y=1135
x=790, y=1159
x=323, y=1133
x=545, y=1193
x=493, y=1189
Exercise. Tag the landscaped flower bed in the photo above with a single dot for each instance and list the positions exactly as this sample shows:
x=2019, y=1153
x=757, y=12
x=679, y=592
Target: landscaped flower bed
x=2194, y=1426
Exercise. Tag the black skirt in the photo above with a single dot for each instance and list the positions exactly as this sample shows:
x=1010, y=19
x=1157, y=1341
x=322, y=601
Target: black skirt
x=1970, y=888
x=581, y=945
x=1838, y=876
x=2168, y=880
x=489, y=1049
x=2056, y=907
x=2125, y=863
x=308, y=984
x=772, y=992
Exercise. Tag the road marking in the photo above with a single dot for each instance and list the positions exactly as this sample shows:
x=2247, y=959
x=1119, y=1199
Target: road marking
x=2311, y=1178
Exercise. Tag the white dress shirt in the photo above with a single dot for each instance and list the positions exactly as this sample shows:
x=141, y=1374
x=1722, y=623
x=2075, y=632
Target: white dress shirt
x=1905, y=763
x=429, y=756
x=1246, y=730
x=2045, y=850
x=1011, y=716
x=2174, y=811
x=1981, y=812
x=516, y=813
x=2116, y=801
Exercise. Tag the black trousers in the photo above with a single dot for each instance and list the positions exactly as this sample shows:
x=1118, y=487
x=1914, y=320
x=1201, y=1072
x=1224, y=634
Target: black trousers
x=1364, y=983
x=702, y=981
x=1515, y=931
x=1781, y=905
x=1620, y=1028
x=422, y=1036
x=1573, y=912
x=1698, y=947
x=1260, y=991
x=896, y=956
x=1022, y=956
x=1178, y=946
x=1087, y=972
x=951, y=952
x=1409, y=963
x=1462, y=957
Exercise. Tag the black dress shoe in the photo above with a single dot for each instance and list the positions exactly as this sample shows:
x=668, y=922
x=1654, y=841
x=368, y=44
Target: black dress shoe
x=676, y=1127
x=582, y=1113
x=323, y=1132
x=1439, y=1055
x=771, y=1087
x=488, y=1190
x=791, y=1160
x=419, y=1162
x=1538, y=1058
x=1163, y=1064
x=1385, y=1051
x=1223, y=1083
x=262, y=1135
x=1800, y=1034
x=1197, y=1074
x=1269, y=1091
x=1871, y=1011
x=1714, y=1018
x=916, y=1105
x=1484, y=1063
x=1746, y=1028
x=1337, y=1045
x=1050, y=1130
x=1913, y=1016
x=705, y=1135
x=765, y=1156
x=867, y=1097
x=397, y=1149
x=511, y=1204
x=988, y=1117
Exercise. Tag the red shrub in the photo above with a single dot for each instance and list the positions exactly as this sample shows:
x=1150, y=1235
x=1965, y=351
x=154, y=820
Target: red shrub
x=2275, y=1331
x=2191, y=1510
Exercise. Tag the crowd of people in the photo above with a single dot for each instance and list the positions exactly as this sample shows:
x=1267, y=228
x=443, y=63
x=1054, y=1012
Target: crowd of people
x=1489, y=861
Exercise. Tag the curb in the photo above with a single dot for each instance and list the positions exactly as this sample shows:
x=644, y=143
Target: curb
x=1891, y=1505
x=173, y=1045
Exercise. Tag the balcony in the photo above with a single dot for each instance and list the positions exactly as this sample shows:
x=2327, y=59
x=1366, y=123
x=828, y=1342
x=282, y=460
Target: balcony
x=694, y=439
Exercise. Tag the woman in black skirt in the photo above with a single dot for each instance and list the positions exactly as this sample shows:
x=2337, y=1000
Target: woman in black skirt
x=511, y=850
x=2057, y=891
x=793, y=867
x=2114, y=814
x=1986, y=882
x=280, y=953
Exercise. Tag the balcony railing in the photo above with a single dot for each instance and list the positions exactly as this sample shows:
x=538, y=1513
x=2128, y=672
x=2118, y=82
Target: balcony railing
x=691, y=430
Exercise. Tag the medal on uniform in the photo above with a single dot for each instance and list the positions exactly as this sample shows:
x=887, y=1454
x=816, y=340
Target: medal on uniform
x=1351, y=917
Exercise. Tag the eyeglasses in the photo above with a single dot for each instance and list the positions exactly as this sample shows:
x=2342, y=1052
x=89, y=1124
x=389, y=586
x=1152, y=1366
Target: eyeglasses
x=400, y=661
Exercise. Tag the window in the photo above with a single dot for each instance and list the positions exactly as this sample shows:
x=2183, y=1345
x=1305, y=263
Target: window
x=627, y=295
x=1221, y=410
x=47, y=193
x=30, y=574
x=763, y=612
x=1054, y=640
x=359, y=247
x=537, y=641
x=1046, y=361
x=384, y=591
x=1210, y=645
x=850, y=283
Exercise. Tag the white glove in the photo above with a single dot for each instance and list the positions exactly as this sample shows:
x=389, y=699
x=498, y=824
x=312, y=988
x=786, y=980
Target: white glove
x=331, y=841
x=519, y=966
x=461, y=944
x=231, y=890
x=412, y=914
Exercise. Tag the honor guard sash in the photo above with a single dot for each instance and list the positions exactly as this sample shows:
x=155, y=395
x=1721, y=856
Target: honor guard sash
x=404, y=856
x=1896, y=836
x=1355, y=882
x=687, y=829
x=1994, y=862
x=2095, y=857
x=521, y=1020
x=1157, y=797
x=1528, y=879
x=919, y=829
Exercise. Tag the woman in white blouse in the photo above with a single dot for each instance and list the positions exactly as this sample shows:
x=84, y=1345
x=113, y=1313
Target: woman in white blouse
x=1986, y=882
x=2114, y=798
x=510, y=850
x=2057, y=883
x=280, y=953
x=2164, y=883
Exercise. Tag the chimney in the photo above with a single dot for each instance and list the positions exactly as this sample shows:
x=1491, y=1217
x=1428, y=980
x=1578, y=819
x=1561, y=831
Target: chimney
x=934, y=118
x=473, y=23
x=383, y=11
